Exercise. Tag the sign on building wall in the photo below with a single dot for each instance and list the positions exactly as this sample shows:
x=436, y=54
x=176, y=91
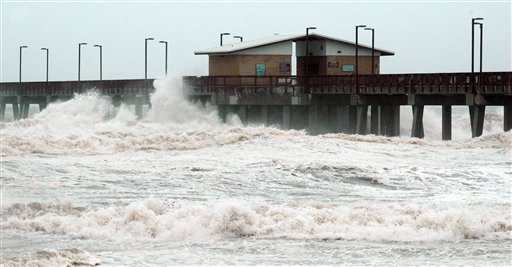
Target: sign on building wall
x=332, y=64
x=285, y=68
x=347, y=68
x=261, y=69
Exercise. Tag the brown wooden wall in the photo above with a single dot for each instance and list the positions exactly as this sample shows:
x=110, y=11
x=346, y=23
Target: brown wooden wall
x=236, y=65
x=365, y=63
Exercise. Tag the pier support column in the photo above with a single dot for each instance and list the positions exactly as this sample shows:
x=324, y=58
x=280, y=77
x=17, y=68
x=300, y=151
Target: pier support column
x=478, y=121
x=471, y=116
x=287, y=117
x=44, y=103
x=507, y=118
x=341, y=119
x=15, y=111
x=242, y=114
x=264, y=115
x=138, y=107
x=24, y=110
x=374, y=119
x=352, y=119
x=389, y=120
x=417, y=122
x=313, y=119
x=221, y=111
x=362, y=116
x=446, y=127
x=2, y=111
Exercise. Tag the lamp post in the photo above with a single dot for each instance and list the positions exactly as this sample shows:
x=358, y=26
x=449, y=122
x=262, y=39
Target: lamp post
x=79, y=59
x=21, y=48
x=473, y=53
x=222, y=35
x=373, y=48
x=146, y=63
x=481, y=42
x=165, y=42
x=239, y=37
x=357, y=56
x=101, y=61
x=306, y=63
x=47, y=61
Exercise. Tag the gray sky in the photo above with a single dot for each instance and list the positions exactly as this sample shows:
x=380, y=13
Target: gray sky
x=426, y=36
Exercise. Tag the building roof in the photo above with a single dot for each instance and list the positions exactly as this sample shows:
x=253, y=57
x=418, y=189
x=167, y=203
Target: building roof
x=278, y=38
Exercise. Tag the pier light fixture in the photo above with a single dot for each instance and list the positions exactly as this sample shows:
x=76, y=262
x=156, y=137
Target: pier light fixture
x=357, y=56
x=373, y=48
x=101, y=61
x=146, y=63
x=165, y=42
x=306, y=63
x=481, y=42
x=47, y=61
x=239, y=37
x=21, y=48
x=473, y=23
x=222, y=35
x=79, y=61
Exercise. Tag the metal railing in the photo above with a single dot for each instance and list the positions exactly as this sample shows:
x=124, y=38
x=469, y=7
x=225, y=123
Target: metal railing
x=105, y=87
x=424, y=83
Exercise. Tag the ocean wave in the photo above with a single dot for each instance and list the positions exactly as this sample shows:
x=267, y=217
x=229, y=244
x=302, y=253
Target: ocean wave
x=494, y=140
x=158, y=220
x=133, y=138
x=52, y=257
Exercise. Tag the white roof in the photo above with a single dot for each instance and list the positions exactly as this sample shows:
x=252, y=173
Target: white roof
x=278, y=38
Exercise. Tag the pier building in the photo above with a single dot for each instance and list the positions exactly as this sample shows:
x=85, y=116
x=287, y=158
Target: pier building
x=273, y=56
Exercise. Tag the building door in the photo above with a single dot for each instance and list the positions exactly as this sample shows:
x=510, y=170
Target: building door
x=313, y=69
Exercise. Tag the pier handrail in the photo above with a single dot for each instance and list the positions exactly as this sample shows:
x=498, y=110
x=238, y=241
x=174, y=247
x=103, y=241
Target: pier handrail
x=414, y=83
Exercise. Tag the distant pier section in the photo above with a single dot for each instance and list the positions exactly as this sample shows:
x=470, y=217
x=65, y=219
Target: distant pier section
x=340, y=104
x=22, y=95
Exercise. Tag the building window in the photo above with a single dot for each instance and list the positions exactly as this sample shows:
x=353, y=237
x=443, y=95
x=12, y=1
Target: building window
x=261, y=70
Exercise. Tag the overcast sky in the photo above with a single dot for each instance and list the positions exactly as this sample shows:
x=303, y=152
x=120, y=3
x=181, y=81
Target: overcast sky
x=426, y=36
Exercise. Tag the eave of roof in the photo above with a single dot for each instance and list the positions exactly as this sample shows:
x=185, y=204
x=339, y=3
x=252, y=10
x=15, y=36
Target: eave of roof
x=278, y=38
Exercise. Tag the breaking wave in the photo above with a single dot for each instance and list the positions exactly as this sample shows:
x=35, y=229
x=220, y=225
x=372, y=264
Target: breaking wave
x=52, y=257
x=494, y=140
x=158, y=220
x=89, y=124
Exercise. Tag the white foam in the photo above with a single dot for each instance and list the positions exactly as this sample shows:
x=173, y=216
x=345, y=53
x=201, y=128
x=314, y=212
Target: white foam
x=157, y=220
x=53, y=257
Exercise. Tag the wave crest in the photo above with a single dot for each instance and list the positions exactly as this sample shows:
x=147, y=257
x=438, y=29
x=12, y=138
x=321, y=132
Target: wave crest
x=154, y=219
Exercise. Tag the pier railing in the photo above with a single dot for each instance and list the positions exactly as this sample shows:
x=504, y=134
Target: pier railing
x=104, y=87
x=424, y=83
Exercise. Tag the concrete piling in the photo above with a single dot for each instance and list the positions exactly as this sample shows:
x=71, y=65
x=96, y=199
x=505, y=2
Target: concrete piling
x=478, y=120
x=446, y=127
x=313, y=119
x=362, y=115
x=417, y=122
x=287, y=117
x=389, y=120
x=374, y=119
x=264, y=115
x=507, y=118
x=242, y=113
x=138, y=107
x=2, y=111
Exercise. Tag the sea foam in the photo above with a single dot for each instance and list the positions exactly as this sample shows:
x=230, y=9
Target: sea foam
x=159, y=220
